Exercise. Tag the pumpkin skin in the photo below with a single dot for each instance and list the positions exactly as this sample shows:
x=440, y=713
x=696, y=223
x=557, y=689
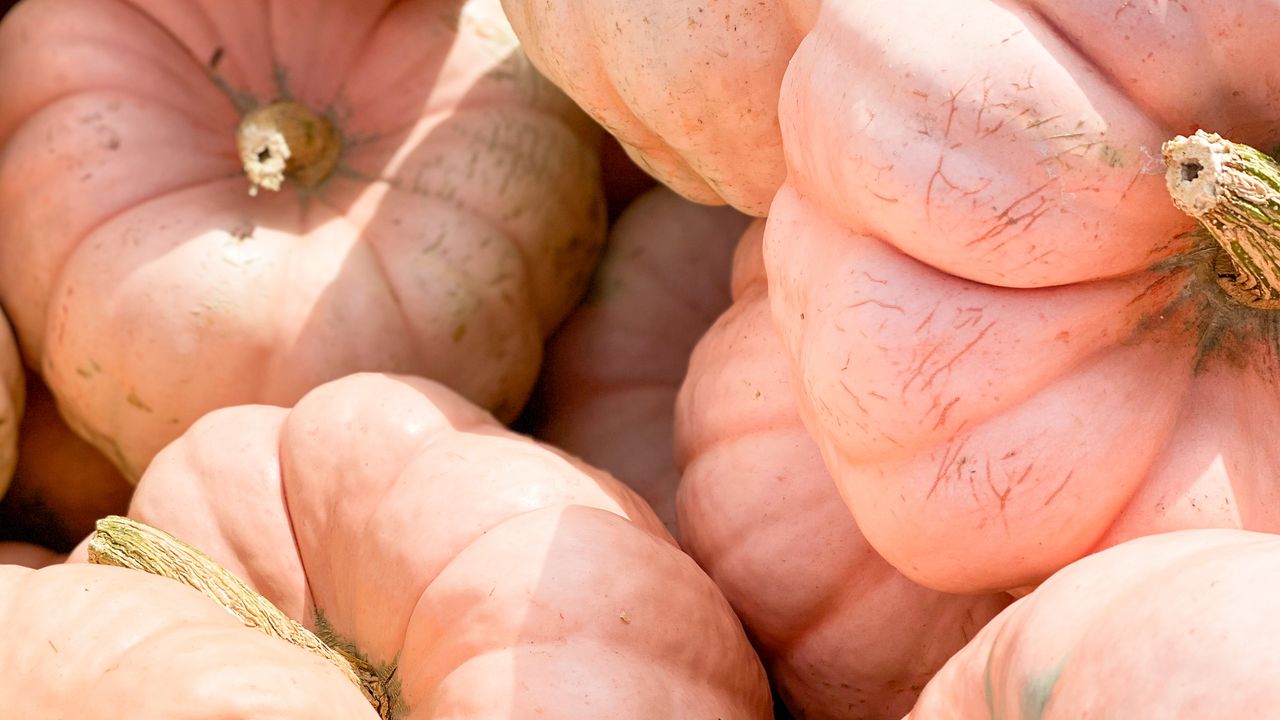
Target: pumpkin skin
x=843, y=634
x=123, y=640
x=964, y=276
x=1202, y=601
x=608, y=390
x=61, y=484
x=27, y=555
x=642, y=70
x=12, y=390
x=506, y=579
x=460, y=226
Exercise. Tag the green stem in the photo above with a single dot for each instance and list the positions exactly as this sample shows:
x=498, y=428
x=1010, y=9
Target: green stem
x=1234, y=191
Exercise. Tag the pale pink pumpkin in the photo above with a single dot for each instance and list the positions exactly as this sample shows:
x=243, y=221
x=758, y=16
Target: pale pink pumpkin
x=608, y=390
x=495, y=576
x=1178, y=625
x=964, y=266
x=690, y=87
x=843, y=634
x=460, y=223
x=12, y=390
x=61, y=484
x=92, y=641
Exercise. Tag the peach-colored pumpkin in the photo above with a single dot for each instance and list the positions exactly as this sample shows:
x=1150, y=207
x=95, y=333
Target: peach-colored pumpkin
x=12, y=389
x=844, y=635
x=61, y=484
x=89, y=641
x=608, y=390
x=690, y=87
x=500, y=578
x=1177, y=625
x=460, y=224
x=962, y=268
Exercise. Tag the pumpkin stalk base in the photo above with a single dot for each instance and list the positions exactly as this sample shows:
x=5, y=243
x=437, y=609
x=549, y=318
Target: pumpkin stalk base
x=1233, y=190
x=286, y=140
x=130, y=544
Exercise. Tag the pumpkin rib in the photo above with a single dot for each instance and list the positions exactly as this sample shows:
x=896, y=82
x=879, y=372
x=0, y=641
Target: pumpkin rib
x=377, y=262
x=182, y=49
x=1108, y=75
x=364, y=46
x=575, y=525
x=59, y=272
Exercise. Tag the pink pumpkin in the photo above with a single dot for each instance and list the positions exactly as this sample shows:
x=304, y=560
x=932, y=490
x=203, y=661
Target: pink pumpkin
x=438, y=212
x=1009, y=350
x=844, y=635
x=90, y=641
x=608, y=392
x=690, y=87
x=12, y=390
x=1179, y=625
x=489, y=575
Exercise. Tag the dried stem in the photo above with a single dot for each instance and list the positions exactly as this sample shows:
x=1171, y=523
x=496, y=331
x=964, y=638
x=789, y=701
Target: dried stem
x=130, y=544
x=285, y=139
x=1234, y=191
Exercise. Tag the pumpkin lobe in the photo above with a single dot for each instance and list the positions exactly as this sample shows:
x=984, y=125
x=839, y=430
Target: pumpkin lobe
x=286, y=140
x=127, y=543
x=1233, y=190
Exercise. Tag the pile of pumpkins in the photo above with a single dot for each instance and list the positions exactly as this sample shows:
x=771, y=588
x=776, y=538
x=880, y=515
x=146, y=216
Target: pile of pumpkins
x=706, y=359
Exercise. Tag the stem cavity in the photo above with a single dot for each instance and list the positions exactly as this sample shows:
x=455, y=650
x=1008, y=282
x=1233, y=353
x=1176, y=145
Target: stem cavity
x=126, y=543
x=1233, y=190
x=286, y=140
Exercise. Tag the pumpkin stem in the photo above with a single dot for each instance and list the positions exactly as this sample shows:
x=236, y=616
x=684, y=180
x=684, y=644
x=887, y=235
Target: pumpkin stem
x=1234, y=191
x=130, y=544
x=285, y=139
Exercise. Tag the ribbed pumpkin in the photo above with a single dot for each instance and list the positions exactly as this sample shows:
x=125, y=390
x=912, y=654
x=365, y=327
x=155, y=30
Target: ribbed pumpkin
x=1009, y=348
x=481, y=574
x=690, y=87
x=1204, y=603
x=608, y=391
x=438, y=210
x=843, y=634
x=91, y=641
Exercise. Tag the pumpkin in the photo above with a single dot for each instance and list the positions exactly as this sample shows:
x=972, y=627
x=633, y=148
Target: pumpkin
x=608, y=390
x=479, y=573
x=1009, y=346
x=690, y=87
x=12, y=390
x=27, y=555
x=843, y=634
x=61, y=484
x=438, y=207
x=92, y=641
x=1201, y=600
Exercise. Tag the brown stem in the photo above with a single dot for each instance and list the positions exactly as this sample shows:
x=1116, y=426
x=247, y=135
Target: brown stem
x=1234, y=191
x=126, y=543
x=285, y=139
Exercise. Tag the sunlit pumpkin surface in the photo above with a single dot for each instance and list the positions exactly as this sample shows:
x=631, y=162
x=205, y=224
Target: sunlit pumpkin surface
x=460, y=223
x=1179, y=625
x=843, y=634
x=1006, y=355
x=482, y=574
